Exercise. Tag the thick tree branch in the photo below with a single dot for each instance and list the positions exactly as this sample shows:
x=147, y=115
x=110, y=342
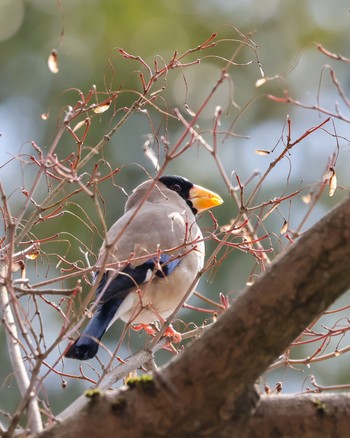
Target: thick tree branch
x=307, y=416
x=208, y=388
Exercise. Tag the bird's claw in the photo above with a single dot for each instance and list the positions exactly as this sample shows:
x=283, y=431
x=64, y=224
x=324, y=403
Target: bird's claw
x=147, y=328
x=168, y=333
x=171, y=333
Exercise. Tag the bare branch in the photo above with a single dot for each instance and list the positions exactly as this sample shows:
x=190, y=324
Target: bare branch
x=294, y=290
x=22, y=378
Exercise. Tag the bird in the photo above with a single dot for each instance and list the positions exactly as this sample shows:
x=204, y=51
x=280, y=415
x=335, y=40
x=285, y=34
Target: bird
x=149, y=259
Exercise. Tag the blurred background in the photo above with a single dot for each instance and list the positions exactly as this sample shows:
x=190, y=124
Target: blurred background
x=87, y=36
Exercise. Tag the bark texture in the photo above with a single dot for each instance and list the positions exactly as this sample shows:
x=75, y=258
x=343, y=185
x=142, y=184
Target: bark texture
x=306, y=416
x=208, y=390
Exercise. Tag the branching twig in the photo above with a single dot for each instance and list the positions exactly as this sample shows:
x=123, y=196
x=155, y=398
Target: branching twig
x=22, y=378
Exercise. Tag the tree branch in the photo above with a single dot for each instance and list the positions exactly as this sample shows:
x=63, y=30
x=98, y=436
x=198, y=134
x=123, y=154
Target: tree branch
x=208, y=388
x=305, y=415
x=20, y=372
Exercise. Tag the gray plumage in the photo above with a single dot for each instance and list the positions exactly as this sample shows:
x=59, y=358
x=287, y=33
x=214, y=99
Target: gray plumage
x=150, y=258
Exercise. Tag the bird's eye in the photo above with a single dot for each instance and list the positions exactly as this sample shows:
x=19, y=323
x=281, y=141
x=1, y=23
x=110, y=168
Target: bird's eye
x=176, y=187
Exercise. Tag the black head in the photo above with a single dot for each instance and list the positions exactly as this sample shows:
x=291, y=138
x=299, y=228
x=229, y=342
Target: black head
x=180, y=185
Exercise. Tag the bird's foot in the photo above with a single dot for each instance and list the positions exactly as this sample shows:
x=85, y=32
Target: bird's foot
x=171, y=333
x=168, y=333
x=147, y=328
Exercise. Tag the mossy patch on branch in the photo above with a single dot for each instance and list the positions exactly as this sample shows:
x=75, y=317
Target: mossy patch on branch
x=145, y=382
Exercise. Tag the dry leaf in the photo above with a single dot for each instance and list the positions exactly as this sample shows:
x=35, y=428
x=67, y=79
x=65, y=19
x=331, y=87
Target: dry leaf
x=151, y=155
x=52, y=62
x=332, y=184
x=99, y=109
x=260, y=82
x=78, y=125
x=284, y=227
x=33, y=255
x=262, y=152
x=307, y=198
x=332, y=177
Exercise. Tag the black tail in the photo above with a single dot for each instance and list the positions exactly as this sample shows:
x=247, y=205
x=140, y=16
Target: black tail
x=114, y=292
x=86, y=346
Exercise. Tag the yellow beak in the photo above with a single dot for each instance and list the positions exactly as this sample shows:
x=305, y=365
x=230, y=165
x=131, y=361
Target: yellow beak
x=202, y=198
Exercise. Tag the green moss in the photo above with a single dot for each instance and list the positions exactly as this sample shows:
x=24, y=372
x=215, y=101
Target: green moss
x=320, y=406
x=93, y=394
x=145, y=382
